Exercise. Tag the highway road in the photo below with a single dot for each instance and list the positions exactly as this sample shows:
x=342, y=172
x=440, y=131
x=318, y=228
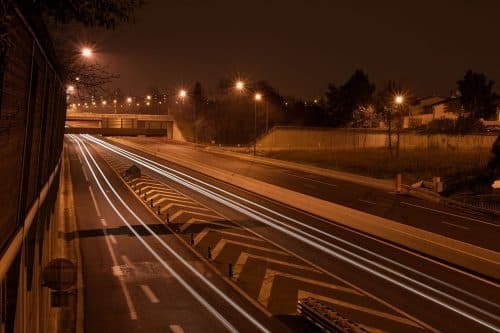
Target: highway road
x=434, y=217
x=175, y=249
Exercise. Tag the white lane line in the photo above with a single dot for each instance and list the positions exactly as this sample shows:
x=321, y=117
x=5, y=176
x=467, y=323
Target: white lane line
x=85, y=174
x=126, y=293
x=95, y=201
x=281, y=226
x=113, y=239
x=103, y=222
x=176, y=329
x=197, y=296
x=368, y=202
x=311, y=179
x=149, y=293
x=455, y=225
x=127, y=261
x=450, y=214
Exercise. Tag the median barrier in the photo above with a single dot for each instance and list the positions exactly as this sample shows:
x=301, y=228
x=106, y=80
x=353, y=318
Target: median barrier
x=325, y=318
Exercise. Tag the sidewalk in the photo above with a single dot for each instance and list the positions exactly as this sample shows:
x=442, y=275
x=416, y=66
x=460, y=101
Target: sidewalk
x=64, y=319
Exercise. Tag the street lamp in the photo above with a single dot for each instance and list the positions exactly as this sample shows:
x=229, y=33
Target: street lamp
x=129, y=100
x=257, y=98
x=86, y=52
x=182, y=94
x=70, y=89
x=399, y=99
x=148, y=97
x=104, y=103
x=240, y=85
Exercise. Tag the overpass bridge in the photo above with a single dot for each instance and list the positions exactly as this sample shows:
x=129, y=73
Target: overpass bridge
x=119, y=124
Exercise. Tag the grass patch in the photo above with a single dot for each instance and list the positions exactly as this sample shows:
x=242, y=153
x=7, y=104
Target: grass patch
x=414, y=164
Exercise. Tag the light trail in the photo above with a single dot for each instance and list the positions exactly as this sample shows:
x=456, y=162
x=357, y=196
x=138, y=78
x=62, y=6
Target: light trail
x=198, y=297
x=308, y=239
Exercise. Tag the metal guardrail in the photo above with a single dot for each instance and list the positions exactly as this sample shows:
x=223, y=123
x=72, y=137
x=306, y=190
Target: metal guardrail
x=325, y=318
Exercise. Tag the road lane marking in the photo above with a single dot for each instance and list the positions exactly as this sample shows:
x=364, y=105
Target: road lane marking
x=198, y=297
x=205, y=232
x=194, y=220
x=176, y=329
x=311, y=179
x=293, y=230
x=223, y=242
x=182, y=211
x=103, y=222
x=243, y=258
x=149, y=293
x=127, y=261
x=271, y=274
x=85, y=174
x=95, y=202
x=125, y=291
x=368, y=202
x=113, y=239
x=173, y=204
x=450, y=214
x=455, y=225
x=169, y=199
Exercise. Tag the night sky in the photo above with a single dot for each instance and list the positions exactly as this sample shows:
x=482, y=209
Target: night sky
x=300, y=46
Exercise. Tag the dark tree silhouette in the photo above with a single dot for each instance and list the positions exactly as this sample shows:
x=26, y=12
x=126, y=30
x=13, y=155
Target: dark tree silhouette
x=477, y=96
x=343, y=101
x=384, y=108
x=91, y=13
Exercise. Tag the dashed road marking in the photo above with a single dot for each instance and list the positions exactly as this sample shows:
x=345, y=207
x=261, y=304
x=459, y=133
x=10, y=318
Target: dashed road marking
x=176, y=329
x=149, y=293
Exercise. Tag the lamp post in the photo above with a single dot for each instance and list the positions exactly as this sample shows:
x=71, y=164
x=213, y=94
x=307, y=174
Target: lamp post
x=399, y=100
x=257, y=98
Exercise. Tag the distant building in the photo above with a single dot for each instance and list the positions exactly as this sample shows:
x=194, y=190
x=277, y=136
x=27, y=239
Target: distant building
x=427, y=109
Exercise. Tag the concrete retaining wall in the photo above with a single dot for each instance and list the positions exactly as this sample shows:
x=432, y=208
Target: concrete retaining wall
x=297, y=138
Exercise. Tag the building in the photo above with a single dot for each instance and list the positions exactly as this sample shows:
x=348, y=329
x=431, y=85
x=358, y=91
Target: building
x=425, y=110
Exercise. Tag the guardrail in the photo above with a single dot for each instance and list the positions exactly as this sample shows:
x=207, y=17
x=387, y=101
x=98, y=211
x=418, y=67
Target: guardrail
x=10, y=253
x=325, y=318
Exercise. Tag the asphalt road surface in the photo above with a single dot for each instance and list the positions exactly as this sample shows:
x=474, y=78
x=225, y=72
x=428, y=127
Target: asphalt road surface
x=473, y=229
x=177, y=250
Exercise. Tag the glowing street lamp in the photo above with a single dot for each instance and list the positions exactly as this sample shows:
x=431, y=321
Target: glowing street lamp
x=240, y=85
x=182, y=93
x=104, y=102
x=129, y=100
x=86, y=52
x=148, y=97
x=399, y=99
x=257, y=98
x=70, y=89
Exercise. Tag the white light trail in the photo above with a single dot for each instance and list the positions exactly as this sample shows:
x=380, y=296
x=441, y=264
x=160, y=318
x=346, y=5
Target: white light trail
x=216, y=314
x=306, y=238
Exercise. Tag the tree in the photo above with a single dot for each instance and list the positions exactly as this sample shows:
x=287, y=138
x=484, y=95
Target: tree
x=494, y=164
x=89, y=79
x=90, y=13
x=342, y=102
x=477, y=96
x=384, y=108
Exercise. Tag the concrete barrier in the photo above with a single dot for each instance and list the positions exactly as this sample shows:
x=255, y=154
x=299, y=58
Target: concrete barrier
x=470, y=257
x=300, y=138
